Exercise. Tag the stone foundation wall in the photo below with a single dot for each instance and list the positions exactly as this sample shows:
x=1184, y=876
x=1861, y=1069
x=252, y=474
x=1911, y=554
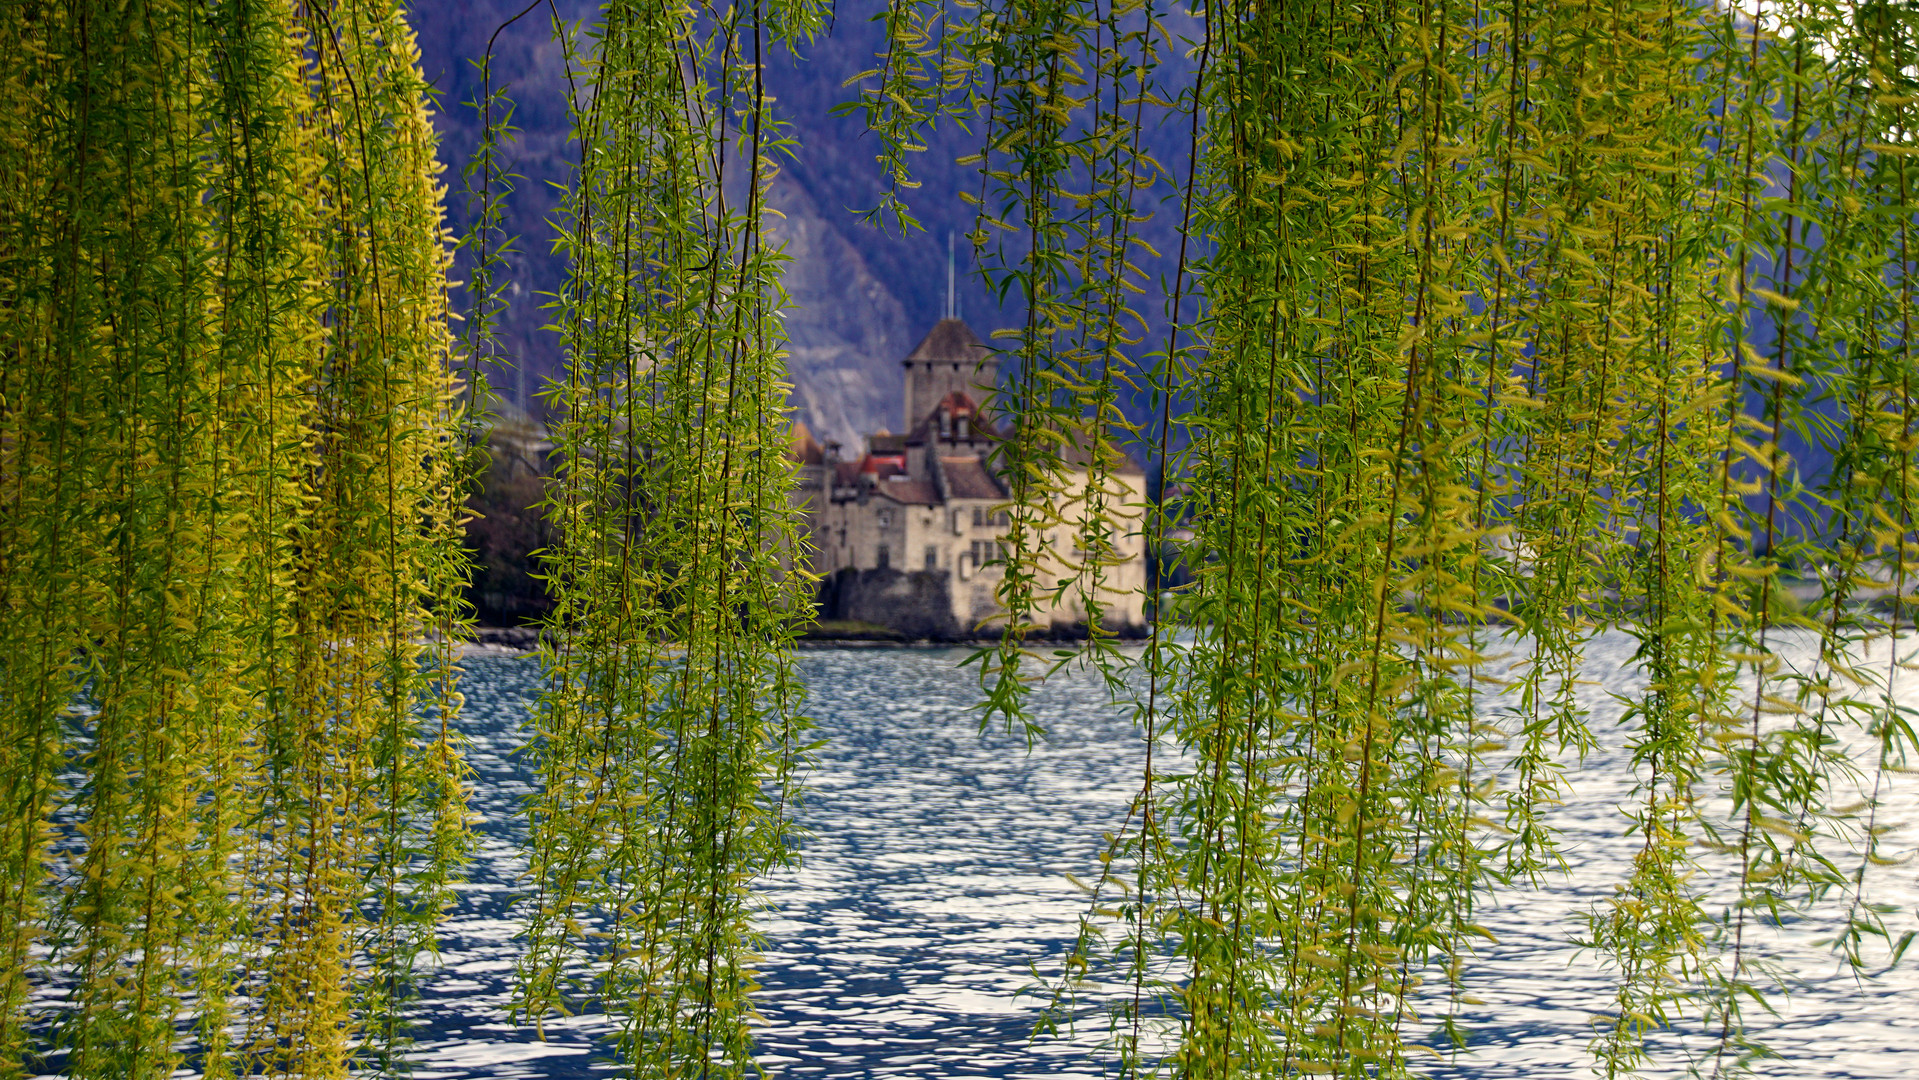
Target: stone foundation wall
x=916, y=603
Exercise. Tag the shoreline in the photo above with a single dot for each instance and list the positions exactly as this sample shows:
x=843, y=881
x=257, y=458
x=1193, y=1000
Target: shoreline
x=522, y=640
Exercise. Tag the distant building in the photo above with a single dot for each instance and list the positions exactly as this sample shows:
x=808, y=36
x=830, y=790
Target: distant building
x=906, y=534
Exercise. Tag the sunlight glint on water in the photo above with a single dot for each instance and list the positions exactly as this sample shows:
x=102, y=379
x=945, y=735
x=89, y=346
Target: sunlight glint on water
x=934, y=876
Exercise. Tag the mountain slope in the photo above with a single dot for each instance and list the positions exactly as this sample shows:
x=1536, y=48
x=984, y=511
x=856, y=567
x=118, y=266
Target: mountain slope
x=861, y=294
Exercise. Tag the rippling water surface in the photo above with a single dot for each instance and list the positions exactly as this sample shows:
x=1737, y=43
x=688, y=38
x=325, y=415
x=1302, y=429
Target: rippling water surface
x=935, y=875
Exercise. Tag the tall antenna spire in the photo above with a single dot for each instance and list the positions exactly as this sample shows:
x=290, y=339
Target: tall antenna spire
x=952, y=302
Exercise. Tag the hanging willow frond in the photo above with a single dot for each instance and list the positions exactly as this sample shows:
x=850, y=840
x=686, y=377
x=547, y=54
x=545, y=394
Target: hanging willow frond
x=1514, y=323
x=233, y=468
x=1491, y=327
x=670, y=732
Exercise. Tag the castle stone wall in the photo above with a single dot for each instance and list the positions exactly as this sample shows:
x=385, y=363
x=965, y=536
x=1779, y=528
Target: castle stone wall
x=918, y=604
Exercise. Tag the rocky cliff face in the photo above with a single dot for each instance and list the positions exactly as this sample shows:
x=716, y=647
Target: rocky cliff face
x=843, y=323
x=453, y=37
x=862, y=294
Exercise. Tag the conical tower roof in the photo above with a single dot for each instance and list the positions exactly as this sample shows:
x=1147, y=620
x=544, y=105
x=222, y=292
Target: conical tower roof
x=949, y=341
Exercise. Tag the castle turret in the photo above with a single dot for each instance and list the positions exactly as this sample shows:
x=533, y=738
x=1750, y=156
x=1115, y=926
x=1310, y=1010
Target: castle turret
x=949, y=359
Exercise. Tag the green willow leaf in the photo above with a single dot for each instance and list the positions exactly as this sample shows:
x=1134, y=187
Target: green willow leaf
x=232, y=454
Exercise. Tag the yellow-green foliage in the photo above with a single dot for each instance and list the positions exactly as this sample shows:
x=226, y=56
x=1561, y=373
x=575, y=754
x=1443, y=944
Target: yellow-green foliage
x=668, y=737
x=1490, y=325
x=231, y=479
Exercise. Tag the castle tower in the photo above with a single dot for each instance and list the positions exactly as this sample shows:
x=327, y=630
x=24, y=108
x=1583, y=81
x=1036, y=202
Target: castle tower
x=949, y=358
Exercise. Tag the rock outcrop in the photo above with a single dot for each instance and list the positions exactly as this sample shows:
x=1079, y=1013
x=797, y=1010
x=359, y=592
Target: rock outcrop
x=839, y=316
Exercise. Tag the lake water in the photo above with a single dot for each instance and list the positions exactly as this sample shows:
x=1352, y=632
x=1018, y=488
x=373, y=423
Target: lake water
x=935, y=874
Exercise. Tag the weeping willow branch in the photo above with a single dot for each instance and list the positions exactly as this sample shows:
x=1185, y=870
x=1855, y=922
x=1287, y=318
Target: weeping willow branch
x=1518, y=322
x=669, y=737
x=1493, y=326
x=233, y=458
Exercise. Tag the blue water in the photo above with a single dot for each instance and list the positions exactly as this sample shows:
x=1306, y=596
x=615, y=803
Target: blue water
x=935, y=874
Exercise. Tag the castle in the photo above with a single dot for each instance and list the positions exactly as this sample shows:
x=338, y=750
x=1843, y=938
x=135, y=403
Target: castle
x=908, y=535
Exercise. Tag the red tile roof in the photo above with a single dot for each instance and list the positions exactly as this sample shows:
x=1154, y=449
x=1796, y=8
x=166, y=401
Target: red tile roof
x=909, y=492
x=959, y=403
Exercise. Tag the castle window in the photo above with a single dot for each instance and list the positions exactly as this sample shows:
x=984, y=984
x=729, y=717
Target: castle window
x=963, y=425
x=946, y=424
x=884, y=557
x=985, y=551
x=932, y=557
x=979, y=516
